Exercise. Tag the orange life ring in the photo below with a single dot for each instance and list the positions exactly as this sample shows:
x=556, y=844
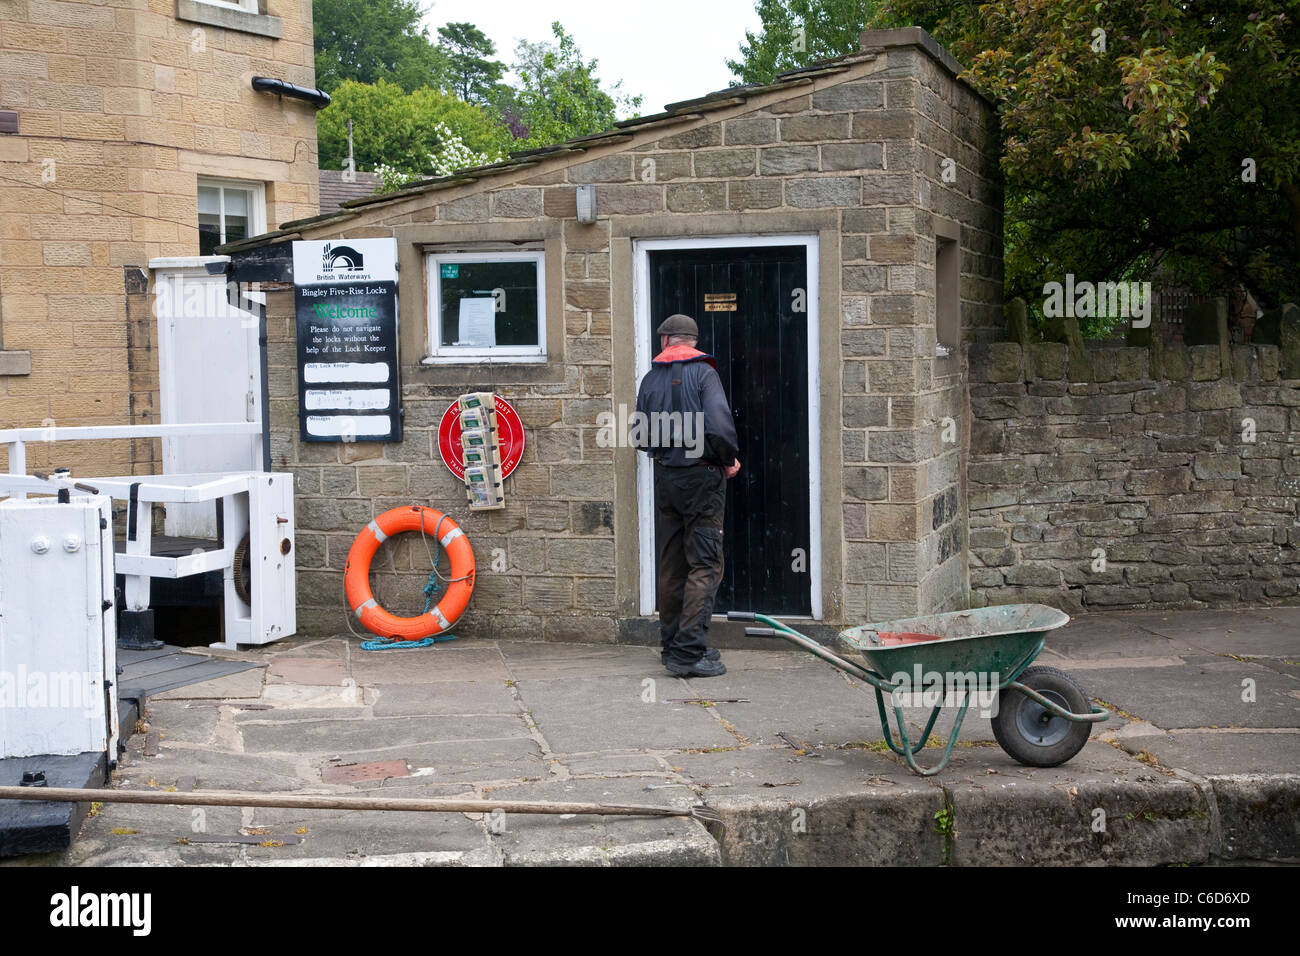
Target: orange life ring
x=356, y=576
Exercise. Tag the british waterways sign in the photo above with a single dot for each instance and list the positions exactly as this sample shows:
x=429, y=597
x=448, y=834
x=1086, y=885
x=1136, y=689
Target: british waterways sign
x=345, y=297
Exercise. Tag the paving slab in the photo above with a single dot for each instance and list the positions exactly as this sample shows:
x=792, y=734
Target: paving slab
x=816, y=705
x=246, y=683
x=298, y=696
x=441, y=662
x=136, y=834
x=586, y=715
x=1261, y=631
x=445, y=697
x=351, y=736
x=582, y=839
x=213, y=770
x=629, y=763
x=1200, y=695
x=277, y=714
x=182, y=721
x=307, y=670
x=333, y=648
x=354, y=834
x=1115, y=636
x=1283, y=665
x=461, y=760
x=1216, y=752
x=546, y=661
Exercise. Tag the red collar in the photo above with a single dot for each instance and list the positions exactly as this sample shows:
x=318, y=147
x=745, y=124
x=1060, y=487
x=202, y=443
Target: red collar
x=682, y=353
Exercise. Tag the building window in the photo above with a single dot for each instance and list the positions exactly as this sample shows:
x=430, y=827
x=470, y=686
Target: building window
x=229, y=210
x=248, y=6
x=487, y=306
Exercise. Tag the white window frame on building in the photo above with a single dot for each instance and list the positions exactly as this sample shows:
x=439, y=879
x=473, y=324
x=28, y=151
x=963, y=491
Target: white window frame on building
x=248, y=6
x=439, y=354
x=256, y=203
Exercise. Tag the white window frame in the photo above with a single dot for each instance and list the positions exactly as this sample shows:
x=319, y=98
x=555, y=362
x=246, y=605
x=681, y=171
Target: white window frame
x=256, y=206
x=439, y=354
x=247, y=6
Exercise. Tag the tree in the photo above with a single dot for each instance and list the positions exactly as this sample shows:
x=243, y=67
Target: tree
x=369, y=40
x=1128, y=129
x=559, y=96
x=1131, y=132
x=451, y=156
x=404, y=131
x=473, y=77
x=795, y=33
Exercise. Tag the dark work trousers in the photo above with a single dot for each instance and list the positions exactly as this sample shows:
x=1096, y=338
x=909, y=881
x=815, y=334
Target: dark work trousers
x=689, y=504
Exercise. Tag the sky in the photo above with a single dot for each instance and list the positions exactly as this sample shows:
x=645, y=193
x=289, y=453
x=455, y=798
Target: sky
x=665, y=50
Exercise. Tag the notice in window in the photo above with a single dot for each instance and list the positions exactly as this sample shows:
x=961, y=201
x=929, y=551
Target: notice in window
x=478, y=322
x=489, y=304
x=345, y=293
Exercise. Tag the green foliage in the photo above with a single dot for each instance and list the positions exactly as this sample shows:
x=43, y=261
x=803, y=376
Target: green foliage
x=944, y=822
x=472, y=75
x=1124, y=128
x=452, y=155
x=1126, y=160
x=559, y=96
x=369, y=40
x=403, y=130
x=830, y=28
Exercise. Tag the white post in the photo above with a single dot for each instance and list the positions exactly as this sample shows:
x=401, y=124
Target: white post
x=18, y=464
x=139, y=541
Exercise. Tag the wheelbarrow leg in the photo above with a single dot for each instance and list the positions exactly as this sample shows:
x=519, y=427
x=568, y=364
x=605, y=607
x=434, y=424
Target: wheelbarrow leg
x=907, y=751
x=889, y=737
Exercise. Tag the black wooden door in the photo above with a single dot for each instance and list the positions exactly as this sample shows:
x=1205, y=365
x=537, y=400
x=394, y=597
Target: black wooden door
x=762, y=352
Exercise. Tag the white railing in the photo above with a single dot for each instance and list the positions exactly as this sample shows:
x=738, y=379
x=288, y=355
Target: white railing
x=17, y=439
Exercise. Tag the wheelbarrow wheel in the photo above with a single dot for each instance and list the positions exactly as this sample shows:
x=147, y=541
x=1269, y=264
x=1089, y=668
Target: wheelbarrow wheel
x=1029, y=732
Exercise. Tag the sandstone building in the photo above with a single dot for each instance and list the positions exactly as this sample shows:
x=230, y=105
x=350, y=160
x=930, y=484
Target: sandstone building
x=130, y=130
x=845, y=221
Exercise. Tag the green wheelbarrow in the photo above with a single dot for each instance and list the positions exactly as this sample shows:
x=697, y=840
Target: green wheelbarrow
x=1041, y=716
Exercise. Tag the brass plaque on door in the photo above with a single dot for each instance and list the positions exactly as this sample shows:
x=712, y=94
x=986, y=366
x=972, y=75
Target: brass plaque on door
x=719, y=302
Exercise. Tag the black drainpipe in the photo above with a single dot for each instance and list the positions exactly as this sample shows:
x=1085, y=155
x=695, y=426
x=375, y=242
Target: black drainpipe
x=266, y=84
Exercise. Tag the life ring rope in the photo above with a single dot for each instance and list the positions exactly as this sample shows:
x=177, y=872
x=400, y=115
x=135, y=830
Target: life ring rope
x=460, y=585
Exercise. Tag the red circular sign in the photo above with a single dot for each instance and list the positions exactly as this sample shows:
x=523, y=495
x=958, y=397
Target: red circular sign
x=510, y=438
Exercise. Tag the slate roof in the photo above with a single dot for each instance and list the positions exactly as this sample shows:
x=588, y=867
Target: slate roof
x=335, y=191
x=673, y=114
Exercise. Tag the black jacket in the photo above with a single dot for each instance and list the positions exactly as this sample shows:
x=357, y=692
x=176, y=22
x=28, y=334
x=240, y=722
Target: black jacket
x=677, y=440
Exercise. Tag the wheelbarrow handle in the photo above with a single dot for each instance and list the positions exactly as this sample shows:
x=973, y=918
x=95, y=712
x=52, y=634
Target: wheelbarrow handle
x=762, y=632
x=740, y=615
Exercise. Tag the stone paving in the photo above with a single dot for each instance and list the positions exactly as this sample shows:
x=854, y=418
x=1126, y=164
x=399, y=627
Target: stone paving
x=1198, y=763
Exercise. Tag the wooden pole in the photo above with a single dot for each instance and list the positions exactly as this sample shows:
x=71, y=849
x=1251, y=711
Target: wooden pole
x=235, y=798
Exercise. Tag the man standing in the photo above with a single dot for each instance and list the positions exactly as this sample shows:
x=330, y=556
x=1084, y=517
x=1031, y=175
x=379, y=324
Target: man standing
x=692, y=439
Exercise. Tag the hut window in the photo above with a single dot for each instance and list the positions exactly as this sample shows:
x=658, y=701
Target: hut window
x=487, y=306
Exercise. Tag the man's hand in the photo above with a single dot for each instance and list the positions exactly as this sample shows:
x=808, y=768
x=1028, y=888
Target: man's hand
x=733, y=469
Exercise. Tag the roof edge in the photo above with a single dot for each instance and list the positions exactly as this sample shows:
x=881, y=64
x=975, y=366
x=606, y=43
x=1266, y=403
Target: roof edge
x=872, y=41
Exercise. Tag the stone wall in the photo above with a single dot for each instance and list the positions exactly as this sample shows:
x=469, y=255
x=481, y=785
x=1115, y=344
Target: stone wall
x=1094, y=484
x=855, y=157
x=121, y=107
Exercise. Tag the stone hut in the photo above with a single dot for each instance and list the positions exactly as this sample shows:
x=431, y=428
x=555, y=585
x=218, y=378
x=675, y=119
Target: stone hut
x=838, y=236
